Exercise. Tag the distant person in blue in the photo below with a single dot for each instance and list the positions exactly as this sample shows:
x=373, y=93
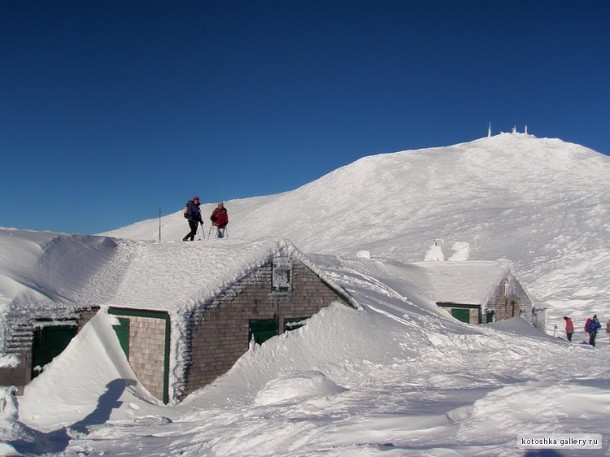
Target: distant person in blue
x=193, y=215
x=591, y=327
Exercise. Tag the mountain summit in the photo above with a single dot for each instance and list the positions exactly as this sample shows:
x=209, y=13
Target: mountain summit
x=541, y=203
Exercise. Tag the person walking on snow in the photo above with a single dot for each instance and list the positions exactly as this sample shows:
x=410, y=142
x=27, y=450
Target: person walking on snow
x=193, y=215
x=569, y=327
x=591, y=327
x=220, y=219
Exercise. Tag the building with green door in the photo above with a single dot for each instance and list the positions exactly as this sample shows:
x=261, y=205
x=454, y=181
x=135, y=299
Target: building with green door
x=180, y=338
x=474, y=292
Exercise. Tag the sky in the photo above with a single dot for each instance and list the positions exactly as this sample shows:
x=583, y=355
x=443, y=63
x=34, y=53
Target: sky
x=113, y=112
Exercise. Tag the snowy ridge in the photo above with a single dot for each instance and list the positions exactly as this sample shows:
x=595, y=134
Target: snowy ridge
x=39, y=269
x=396, y=376
x=543, y=204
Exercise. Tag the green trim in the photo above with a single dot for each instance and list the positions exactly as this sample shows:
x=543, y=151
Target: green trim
x=138, y=313
x=456, y=305
x=153, y=315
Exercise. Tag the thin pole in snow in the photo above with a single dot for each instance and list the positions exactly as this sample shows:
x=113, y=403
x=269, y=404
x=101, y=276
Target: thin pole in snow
x=159, y=224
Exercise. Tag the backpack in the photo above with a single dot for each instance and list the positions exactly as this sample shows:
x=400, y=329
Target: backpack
x=588, y=325
x=186, y=208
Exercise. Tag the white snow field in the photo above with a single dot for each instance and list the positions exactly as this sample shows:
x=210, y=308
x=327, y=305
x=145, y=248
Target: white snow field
x=396, y=377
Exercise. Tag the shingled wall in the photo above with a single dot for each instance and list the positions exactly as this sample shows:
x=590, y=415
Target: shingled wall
x=220, y=333
x=509, y=300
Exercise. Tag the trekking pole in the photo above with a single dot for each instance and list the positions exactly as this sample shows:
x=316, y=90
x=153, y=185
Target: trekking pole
x=210, y=231
x=202, y=230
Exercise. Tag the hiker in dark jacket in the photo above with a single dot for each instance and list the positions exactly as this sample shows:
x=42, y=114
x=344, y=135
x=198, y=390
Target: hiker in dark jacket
x=220, y=219
x=591, y=327
x=193, y=215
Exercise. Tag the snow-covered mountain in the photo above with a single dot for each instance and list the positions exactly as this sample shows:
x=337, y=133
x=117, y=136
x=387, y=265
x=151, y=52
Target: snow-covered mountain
x=398, y=376
x=544, y=204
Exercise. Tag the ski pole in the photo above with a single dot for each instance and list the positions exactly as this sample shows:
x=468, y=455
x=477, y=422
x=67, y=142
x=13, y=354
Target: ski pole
x=202, y=230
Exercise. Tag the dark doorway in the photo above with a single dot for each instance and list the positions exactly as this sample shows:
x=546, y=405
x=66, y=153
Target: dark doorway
x=49, y=342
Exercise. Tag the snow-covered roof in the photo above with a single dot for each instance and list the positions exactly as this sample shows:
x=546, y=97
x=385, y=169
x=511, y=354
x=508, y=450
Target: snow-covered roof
x=177, y=276
x=43, y=270
x=467, y=282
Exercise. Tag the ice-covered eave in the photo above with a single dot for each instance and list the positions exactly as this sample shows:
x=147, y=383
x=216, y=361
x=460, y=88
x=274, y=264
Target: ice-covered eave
x=283, y=248
x=202, y=293
x=508, y=274
x=327, y=279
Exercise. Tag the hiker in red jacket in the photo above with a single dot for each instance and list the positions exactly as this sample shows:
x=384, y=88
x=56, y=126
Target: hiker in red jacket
x=220, y=219
x=569, y=327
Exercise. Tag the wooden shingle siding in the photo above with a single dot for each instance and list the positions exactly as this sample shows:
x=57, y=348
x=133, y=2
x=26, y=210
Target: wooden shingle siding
x=148, y=348
x=20, y=339
x=147, y=352
x=509, y=300
x=219, y=335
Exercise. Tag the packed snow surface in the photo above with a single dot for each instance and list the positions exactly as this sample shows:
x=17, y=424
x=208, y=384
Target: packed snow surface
x=397, y=376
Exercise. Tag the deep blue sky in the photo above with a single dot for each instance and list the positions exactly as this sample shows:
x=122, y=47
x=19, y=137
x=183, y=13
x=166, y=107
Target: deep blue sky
x=111, y=110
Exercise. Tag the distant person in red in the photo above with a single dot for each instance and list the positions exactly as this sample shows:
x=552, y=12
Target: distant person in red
x=569, y=327
x=220, y=219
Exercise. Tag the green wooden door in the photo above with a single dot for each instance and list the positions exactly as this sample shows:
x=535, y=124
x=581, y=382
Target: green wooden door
x=489, y=316
x=262, y=330
x=122, y=332
x=48, y=343
x=461, y=314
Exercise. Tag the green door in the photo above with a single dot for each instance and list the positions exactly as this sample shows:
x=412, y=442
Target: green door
x=490, y=316
x=48, y=343
x=262, y=330
x=122, y=332
x=461, y=314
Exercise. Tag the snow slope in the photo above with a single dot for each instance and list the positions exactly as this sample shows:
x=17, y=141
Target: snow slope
x=544, y=204
x=396, y=377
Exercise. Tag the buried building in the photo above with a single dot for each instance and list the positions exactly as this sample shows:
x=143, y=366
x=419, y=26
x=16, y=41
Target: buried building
x=474, y=292
x=184, y=313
